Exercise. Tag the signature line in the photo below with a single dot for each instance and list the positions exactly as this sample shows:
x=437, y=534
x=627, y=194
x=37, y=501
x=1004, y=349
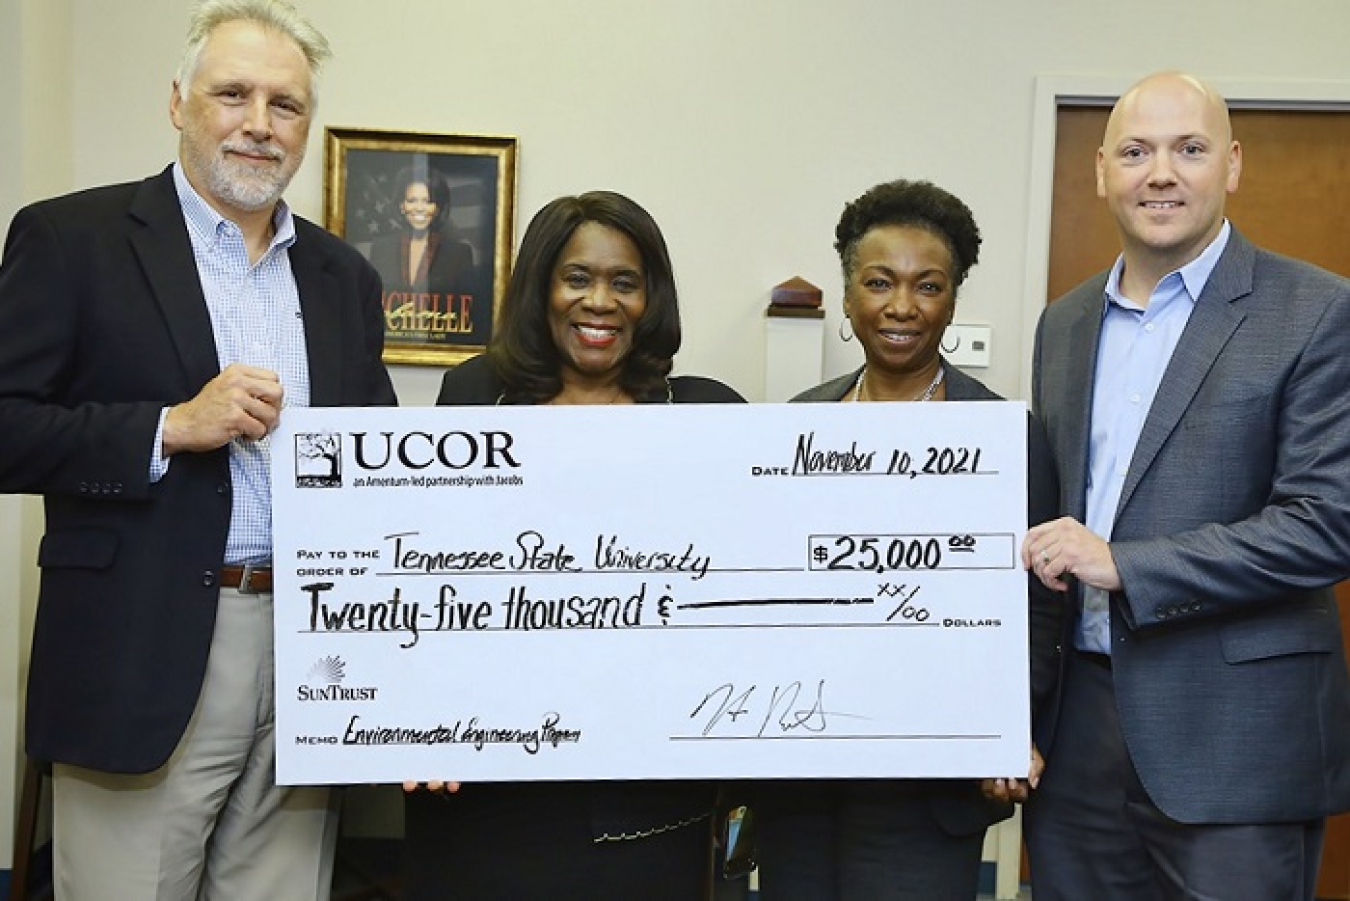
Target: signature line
x=776, y=602
x=817, y=737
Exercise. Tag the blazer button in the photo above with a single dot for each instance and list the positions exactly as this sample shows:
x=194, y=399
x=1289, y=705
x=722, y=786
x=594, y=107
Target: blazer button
x=117, y=487
x=208, y=578
x=84, y=488
x=1161, y=612
x=222, y=489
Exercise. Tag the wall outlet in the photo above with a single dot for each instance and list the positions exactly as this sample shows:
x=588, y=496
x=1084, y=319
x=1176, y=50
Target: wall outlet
x=967, y=345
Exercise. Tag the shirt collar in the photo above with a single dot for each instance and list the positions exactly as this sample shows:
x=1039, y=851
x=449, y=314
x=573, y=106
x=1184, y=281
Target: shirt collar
x=203, y=219
x=1194, y=275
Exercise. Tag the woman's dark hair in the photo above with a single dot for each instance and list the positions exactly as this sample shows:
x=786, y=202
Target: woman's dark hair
x=917, y=203
x=421, y=174
x=522, y=348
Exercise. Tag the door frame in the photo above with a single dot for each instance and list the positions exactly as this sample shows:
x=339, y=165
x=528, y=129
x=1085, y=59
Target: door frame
x=1054, y=91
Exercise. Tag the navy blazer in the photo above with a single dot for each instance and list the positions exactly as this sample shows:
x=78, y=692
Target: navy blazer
x=104, y=323
x=1233, y=524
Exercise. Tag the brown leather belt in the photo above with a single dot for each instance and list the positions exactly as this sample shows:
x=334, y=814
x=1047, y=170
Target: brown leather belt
x=248, y=579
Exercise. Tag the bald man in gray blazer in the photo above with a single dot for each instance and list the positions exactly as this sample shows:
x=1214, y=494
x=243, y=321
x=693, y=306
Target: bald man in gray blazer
x=1197, y=398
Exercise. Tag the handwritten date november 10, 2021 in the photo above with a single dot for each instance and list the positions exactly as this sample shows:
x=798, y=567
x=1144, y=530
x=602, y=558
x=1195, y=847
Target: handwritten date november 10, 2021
x=932, y=461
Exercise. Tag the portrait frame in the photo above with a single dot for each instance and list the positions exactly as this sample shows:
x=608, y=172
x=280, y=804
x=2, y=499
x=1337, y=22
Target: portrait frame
x=441, y=297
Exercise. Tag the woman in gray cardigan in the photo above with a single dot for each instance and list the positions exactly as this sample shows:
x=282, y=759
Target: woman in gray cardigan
x=905, y=248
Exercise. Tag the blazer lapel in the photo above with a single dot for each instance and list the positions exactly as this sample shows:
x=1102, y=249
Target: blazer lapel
x=162, y=246
x=1081, y=356
x=319, y=292
x=1209, y=329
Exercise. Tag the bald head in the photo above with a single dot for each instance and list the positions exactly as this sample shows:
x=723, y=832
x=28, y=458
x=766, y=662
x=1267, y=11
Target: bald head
x=1166, y=165
x=1170, y=90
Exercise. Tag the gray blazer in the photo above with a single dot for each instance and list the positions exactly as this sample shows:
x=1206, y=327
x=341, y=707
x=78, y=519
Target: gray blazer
x=1233, y=523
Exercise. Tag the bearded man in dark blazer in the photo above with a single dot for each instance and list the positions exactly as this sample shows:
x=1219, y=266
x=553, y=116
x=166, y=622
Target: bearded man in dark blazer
x=1197, y=398
x=150, y=336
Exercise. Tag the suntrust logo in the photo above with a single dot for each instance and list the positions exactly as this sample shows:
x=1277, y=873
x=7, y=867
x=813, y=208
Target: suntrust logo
x=324, y=683
x=422, y=450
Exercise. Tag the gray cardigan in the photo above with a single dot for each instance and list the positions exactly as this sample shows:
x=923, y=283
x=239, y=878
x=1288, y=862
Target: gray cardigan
x=1047, y=608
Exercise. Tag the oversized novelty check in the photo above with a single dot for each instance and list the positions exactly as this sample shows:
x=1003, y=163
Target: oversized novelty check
x=505, y=593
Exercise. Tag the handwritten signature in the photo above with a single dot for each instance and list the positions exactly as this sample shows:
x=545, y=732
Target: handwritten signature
x=780, y=709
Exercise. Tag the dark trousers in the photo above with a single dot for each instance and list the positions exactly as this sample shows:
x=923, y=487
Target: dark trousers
x=514, y=841
x=1092, y=831
x=860, y=840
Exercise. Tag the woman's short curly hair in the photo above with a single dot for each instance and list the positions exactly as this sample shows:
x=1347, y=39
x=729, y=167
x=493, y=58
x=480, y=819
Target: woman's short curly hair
x=917, y=203
x=522, y=348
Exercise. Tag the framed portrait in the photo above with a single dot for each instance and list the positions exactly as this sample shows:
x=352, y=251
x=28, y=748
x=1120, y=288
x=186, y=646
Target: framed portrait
x=435, y=215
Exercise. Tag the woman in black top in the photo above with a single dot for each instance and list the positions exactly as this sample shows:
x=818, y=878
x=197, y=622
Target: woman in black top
x=905, y=248
x=431, y=284
x=590, y=316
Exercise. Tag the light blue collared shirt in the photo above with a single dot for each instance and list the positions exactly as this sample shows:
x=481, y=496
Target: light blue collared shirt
x=1135, y=346
x=256, y=319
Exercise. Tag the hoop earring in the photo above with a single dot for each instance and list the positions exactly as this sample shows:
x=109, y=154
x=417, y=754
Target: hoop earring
x=846, y=337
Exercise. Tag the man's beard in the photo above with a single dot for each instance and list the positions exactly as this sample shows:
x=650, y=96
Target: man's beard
x=244, y=186
x=239, y=184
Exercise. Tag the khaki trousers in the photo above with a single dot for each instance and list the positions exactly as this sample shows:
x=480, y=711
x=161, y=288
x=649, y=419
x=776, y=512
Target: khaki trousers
x=211, y=824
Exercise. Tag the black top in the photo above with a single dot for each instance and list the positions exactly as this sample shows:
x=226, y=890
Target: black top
x=617, y=808
x=475, y=383
x=453, y=285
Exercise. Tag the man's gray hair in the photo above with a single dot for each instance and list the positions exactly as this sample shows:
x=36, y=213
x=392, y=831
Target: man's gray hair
x=275, y=15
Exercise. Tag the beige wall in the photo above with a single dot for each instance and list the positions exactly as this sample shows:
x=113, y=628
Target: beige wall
x=11, y=636
x=743, y=125
x=35, y=160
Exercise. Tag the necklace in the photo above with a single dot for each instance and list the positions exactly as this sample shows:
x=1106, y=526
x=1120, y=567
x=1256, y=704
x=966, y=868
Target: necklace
x=860, y=384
